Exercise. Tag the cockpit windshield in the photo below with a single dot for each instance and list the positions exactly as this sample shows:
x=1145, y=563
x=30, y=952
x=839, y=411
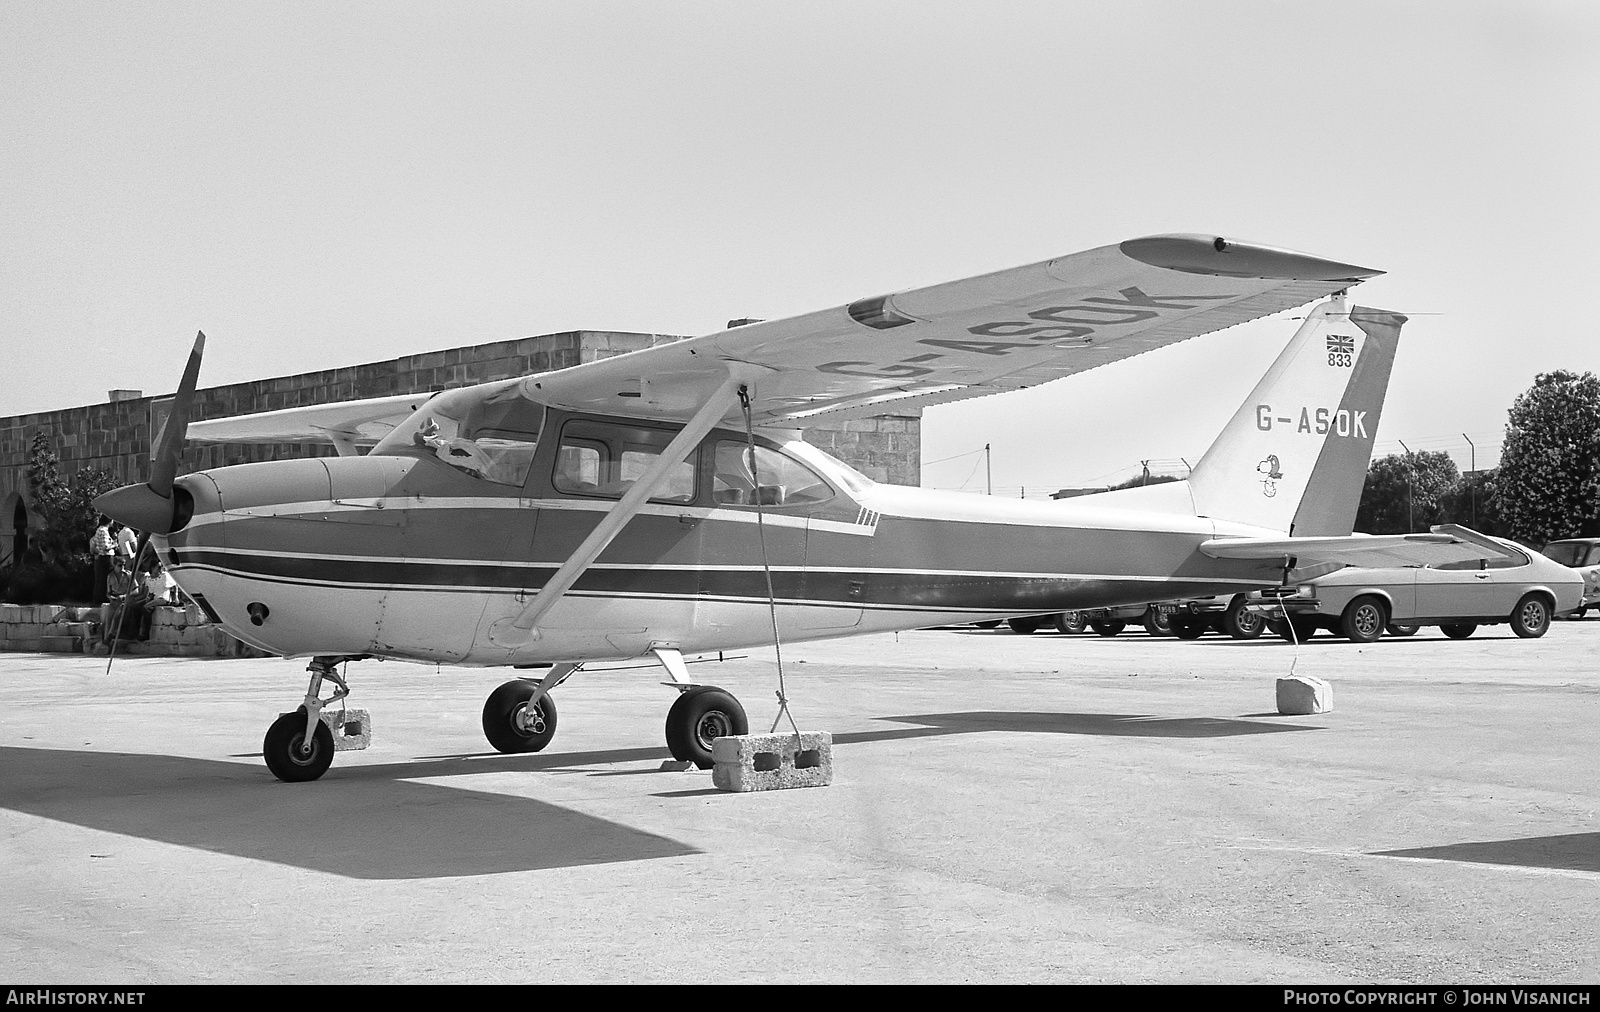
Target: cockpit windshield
x=486, y=433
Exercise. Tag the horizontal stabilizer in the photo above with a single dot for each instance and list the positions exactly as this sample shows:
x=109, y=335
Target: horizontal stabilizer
x=1445, y=543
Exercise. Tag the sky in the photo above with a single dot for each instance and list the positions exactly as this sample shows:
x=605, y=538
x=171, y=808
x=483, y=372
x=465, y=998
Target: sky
x=317, y=185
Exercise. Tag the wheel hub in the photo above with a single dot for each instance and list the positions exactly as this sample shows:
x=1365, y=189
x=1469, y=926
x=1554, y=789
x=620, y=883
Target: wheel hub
x=528, y=721
x=713, y=725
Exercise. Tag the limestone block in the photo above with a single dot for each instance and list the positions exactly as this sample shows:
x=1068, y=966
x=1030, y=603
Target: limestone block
x=60, y=644
x=1302, y=694
x=11, y=613
x=352, y=728
x=771, y=762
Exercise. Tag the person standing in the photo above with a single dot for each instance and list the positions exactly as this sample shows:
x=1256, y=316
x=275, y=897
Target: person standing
x=103, y=550
x=127, y=542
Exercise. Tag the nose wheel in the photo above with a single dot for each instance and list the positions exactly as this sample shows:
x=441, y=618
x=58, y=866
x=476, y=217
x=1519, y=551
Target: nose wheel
x=298, y=746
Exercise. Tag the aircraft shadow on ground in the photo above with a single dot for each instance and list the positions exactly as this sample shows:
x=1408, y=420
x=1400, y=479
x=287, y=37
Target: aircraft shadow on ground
x=1569, y=852
x=364, y=824
x=1128, y=725
x=372, y=821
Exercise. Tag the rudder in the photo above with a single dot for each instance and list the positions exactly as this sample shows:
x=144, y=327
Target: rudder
x=1294, y=456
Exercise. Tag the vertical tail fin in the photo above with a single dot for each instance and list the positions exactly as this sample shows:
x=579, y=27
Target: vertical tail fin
x=1294, y=456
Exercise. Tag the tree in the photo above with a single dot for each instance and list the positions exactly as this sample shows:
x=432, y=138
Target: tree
x=1406, y=492
x=1548, y=482
x=65, y=508
x=1472, y=504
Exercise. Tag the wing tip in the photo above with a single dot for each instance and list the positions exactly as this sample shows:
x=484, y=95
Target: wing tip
x=1192, y=253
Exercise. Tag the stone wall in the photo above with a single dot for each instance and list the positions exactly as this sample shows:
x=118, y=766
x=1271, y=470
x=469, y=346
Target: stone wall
x=115, y=436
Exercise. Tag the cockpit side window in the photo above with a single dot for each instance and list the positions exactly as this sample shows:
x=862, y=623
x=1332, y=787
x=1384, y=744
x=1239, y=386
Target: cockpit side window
x=769, y=479
x=605, y=458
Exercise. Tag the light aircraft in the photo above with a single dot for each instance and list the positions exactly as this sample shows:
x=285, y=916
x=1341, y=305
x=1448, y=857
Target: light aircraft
x=662, y=502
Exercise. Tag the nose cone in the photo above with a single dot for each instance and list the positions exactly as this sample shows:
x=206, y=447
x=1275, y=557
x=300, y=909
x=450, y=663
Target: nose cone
x=143, y=509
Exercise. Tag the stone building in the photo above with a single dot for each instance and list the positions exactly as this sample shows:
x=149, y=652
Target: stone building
x=115, y=435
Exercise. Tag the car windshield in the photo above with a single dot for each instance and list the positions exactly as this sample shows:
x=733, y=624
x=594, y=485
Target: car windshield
x=1568, y=553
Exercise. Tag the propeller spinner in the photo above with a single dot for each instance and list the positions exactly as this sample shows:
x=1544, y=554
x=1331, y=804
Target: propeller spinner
x=157, y=506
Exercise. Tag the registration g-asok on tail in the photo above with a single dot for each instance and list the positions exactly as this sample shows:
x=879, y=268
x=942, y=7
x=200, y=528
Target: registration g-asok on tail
x=636, y=506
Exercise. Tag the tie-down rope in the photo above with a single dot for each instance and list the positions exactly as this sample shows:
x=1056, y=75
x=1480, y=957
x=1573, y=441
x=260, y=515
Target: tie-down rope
x=766, y=567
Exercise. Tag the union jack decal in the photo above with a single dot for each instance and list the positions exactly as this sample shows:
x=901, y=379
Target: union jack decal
x=1339, y=342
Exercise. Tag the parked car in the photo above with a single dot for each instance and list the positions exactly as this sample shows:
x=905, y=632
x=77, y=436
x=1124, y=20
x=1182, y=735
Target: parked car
x=1362, y=604
x=1230, y=615
x=1582, y=554
x=1156, y=619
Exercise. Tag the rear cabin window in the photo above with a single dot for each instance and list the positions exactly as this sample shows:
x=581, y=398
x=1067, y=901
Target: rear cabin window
x=768, y=479
x=605, y=458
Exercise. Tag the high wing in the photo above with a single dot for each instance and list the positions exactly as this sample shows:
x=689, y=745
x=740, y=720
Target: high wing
x=1444, y=543
x=983, y=335
x=346, y=424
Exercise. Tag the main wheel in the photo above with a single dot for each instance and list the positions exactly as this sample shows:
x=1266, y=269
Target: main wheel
x=699, y=717
x=1157, y=621
x=1396, y=629
x=1107, y=626
x=1071, y=623
x=509, y=726
x=1531, y=617
x=1189, y=627
x=285, y=752
x=1363, y=620
x=1240, y=622
x=1459, y=630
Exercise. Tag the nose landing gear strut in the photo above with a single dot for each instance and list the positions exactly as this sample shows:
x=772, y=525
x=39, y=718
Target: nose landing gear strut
x=298, y=746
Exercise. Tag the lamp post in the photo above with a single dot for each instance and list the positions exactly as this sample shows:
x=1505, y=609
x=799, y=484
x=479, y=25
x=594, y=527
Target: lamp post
x=1411, y=469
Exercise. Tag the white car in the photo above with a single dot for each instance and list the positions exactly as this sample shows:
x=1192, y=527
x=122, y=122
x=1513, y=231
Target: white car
x=1582, y=554
x=1361, y=604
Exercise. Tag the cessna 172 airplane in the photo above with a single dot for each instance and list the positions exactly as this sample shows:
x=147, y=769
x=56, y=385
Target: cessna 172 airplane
x=661, y=502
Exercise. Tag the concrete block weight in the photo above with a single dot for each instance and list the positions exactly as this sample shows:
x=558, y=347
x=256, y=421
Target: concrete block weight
x=352, y=728
x=1304, y=695
x=772, y=762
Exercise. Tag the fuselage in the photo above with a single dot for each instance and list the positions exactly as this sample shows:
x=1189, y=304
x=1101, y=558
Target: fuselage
x=412, y=552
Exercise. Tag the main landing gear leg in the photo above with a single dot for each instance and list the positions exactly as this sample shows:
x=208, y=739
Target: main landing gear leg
x=700, y=715
x=298, y=746
x=520, y=716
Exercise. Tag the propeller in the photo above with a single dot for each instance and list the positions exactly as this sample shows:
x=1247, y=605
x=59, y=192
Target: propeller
x=157, y=506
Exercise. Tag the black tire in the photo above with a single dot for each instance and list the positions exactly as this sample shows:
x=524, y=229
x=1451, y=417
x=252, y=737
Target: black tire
x=700, y=716
x=1025, y=626
x=1297, y=628
x=1240, y=622
x=993, y=623
x=1107, y=626
x=1157, y=621
x=1531, y=618
x=1071, y=623
x=501, y=723
x=1397, y=629
x=1459, y=630
x=1363, y=619
x=281, y=748
x=1189, y=627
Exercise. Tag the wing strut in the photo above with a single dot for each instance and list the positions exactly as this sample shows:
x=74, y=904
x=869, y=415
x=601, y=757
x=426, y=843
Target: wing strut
x=522, y=630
